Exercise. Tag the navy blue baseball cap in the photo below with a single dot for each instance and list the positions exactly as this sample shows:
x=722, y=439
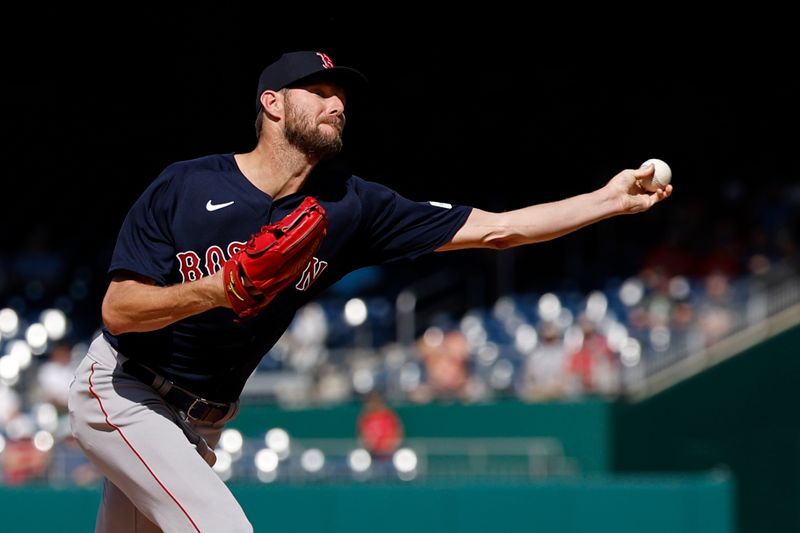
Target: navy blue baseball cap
x=294, y=68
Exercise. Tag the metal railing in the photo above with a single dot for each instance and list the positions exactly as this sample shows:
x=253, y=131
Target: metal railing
x=772, y=305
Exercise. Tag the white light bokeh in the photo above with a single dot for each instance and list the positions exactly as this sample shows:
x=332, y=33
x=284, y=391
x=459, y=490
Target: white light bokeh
x=406, y=302
x=679, y=288
x=549, y=307
x=468, y=322
x=660, y=338
x=355, y=311
x=488, y=354
x=616, y=336
x=36, y=336
x=231, y=441
x=2, y=443
x=223, y=465
x=596, y=306
x=277, y=439
x=631, y=352
x=21, y=352
x=359, y=460
x=312, y=460
x=573, y=338
x=310, y=323
x=43, y=441
x=472, y=328
x=501, y=375
x=266, y=460
x=526, y=338
x=55, y=323
x=504, y=308
x=363, y=380
x=631, y=292
x=405, y=460
x=9, y=322
x=46, y=416
x=267, y=477
x=659, y=311
x=9, y=368
x=433, y=336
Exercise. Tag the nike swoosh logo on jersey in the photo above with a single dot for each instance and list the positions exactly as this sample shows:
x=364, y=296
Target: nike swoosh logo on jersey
x=214, y=207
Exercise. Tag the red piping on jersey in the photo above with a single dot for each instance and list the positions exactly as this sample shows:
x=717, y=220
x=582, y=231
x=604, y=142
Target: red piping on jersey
x=121, y=434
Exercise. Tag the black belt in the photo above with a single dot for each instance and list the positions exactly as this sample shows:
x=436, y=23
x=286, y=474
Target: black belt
x=191, y=405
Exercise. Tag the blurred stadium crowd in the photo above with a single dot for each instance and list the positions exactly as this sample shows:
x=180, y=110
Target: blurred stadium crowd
x=551, y=345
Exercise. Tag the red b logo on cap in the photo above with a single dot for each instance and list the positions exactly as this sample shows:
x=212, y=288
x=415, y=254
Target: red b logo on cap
x=327, y=62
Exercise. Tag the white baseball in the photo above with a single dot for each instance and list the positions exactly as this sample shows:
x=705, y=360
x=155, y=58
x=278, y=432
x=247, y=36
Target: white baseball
x=661, y=177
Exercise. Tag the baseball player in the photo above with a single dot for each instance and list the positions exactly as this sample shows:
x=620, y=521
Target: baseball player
x=212, y=262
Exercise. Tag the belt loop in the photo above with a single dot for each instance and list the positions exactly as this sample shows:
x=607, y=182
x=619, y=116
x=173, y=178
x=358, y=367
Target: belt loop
x=161, y=384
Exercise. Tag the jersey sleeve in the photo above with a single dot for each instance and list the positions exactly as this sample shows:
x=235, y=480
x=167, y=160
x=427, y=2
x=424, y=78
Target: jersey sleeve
x=395, y=228
x=145, y=244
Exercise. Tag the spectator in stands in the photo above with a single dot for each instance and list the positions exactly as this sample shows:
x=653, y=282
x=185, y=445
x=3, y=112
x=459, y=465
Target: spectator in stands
x=445, y=356
x=716, y=313
x=379, y=427
x=71, y=464
x=594, y=364
x=22, y=460
x=10, y=403
x=54, y=376
x=683, y=335
x=544, y=375
x=332, y=384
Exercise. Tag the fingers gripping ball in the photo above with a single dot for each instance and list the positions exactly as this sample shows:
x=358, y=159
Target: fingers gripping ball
x=273, y=258
x=662, y=175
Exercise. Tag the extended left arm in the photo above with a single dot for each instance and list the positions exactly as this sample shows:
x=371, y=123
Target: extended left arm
x=543, y=222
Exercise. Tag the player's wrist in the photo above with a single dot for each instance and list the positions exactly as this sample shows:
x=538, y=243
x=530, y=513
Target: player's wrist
x=609, y=200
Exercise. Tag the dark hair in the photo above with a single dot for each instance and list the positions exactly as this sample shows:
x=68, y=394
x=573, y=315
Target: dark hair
x=259, y=123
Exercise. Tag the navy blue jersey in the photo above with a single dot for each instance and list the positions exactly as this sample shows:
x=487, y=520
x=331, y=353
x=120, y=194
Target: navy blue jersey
x=190, y=220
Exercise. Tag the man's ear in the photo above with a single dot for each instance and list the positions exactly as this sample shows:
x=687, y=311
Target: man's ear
x=272, y=103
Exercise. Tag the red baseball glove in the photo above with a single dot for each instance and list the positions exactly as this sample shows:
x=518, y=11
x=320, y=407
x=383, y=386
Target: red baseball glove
x=273, y=258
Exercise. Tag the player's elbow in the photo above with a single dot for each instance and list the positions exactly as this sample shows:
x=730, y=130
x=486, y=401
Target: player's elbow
x=112, y=320
x=499, y=240
x=492, y=242
x=495, y=231
x=122, y=307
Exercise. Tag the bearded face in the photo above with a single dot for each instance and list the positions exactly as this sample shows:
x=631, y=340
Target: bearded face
x=304, y=132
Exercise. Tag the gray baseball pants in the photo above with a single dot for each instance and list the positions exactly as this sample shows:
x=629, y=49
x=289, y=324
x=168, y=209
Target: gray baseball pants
x=156, y=477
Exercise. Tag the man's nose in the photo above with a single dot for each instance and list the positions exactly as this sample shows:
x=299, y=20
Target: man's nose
x=336, y=106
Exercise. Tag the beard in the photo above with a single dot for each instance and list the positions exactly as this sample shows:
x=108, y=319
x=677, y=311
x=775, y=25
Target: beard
x=304, y=134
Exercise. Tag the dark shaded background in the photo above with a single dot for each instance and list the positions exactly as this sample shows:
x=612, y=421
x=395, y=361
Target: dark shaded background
x=498, y=111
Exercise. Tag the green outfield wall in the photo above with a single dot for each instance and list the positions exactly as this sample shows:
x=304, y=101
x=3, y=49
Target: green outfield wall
x=741, y=414
x=604, y=504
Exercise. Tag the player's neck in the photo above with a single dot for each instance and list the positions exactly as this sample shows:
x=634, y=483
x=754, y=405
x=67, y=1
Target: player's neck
x=278, y=171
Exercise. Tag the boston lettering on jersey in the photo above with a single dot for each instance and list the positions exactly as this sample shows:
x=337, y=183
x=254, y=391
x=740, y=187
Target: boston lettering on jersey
x=193, y=268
